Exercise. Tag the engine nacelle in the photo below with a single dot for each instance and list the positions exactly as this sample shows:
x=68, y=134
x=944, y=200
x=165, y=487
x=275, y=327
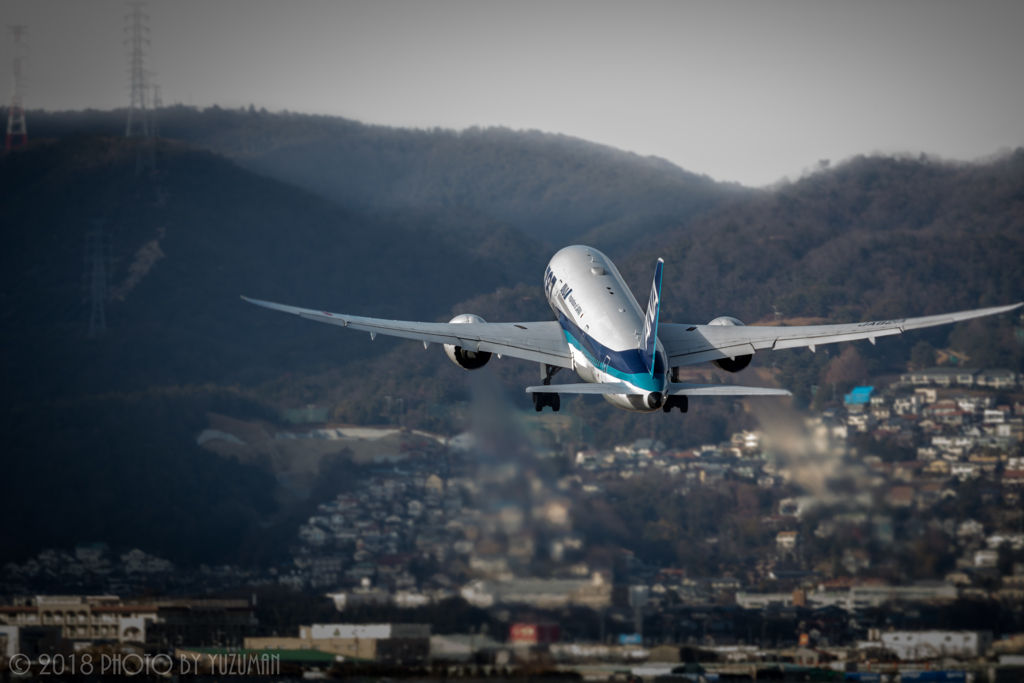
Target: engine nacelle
x=731, y=364
x=464, y=358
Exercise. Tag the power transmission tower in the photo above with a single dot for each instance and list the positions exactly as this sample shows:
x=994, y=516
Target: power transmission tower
x=138, y=120
x=17, y=134
x=158, y=103
x=98, y=256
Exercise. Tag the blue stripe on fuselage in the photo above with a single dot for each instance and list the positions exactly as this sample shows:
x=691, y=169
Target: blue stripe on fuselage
x=627, y=366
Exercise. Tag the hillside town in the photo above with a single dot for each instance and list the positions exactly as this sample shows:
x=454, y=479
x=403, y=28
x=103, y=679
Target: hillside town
x=883, y=534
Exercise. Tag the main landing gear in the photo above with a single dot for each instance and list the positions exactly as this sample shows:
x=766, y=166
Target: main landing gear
x=541, y=400
x=681, y=402
x=552, y=400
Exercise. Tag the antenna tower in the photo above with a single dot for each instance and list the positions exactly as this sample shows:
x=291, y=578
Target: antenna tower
x=138, y=120
x=17, y=134
x=97, y=274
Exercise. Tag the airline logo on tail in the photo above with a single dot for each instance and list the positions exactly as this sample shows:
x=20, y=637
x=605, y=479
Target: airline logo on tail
x=649, y=341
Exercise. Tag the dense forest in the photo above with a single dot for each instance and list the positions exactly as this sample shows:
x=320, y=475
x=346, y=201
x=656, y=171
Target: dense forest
x=555, y=188
x=186, y=242
x=334, y=214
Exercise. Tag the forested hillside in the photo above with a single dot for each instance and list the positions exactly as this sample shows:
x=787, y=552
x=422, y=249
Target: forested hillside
x=873, y=239
x=186, y=242
x=435, y=227
x=112, y=419
x=555, y=188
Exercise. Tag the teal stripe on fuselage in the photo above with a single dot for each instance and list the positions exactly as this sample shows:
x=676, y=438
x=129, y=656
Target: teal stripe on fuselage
x=641, y=381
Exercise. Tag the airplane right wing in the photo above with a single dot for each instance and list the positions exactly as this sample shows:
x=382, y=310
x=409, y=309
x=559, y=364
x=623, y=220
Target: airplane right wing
x=543, y=342
x=688, y=344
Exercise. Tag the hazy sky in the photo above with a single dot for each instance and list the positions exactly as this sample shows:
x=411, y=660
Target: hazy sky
x=742, y=91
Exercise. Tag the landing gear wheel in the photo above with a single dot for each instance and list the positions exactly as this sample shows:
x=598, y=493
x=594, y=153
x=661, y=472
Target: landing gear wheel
x=540, y=400
x=681, y=402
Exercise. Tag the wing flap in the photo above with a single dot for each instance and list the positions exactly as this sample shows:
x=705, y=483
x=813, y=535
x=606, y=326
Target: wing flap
x=715, y=354
x=688, y=344
x=809, y=340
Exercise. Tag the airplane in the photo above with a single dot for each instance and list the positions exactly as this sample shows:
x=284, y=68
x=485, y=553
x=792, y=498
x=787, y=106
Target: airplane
x=619, y=351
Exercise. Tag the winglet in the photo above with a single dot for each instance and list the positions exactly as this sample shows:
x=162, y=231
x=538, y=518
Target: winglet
x=649, y=341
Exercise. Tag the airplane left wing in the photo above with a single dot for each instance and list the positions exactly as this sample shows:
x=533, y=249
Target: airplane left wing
x=688, y=344
x=542, y=342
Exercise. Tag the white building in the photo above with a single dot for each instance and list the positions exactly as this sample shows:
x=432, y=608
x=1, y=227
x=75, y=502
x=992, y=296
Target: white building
x=101, y=617
x=862, y=597
x=994, y=416
x=915, y=645
x=9, y=641
x=364, y=631
x=1016, y=541
x=965, y=470
x=998, y=379
x=541, y=593
x=986, y=559
x=862, y=422
x=762, y=600
x=908, y=405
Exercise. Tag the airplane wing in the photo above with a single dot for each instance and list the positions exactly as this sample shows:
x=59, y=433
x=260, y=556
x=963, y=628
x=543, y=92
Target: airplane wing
x=688, y=344
x=673, y=389
x=543, y=342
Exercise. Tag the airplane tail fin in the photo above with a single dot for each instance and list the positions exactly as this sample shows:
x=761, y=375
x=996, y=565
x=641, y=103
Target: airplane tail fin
x=649, y=341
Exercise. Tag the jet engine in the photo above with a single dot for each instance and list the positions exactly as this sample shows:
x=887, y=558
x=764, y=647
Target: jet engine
x=465, y=358
x=731, y=364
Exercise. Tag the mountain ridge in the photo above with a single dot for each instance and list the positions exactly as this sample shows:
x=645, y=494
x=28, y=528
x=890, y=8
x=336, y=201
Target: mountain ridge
x=553, y=187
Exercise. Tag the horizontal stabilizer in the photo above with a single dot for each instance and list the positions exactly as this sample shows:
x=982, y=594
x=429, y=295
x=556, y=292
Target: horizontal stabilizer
x=673, y=389
x=722, y=390
x=596, y=388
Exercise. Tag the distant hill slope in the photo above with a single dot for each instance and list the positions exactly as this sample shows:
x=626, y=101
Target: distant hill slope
x=102, y=421
x=872, y=239
x=191, y=238
x=554, y=188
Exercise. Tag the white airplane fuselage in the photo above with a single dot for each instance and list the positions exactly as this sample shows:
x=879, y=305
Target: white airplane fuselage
x=603, y=324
